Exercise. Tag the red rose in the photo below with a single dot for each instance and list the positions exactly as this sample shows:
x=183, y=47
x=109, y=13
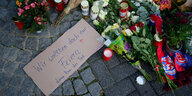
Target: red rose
x=132, y=28
x=141, y=24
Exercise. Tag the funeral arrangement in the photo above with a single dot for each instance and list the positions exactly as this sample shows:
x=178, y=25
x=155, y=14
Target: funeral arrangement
x=154, y=32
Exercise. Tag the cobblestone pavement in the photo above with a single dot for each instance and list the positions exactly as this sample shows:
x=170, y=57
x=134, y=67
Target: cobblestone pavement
x=115, y=77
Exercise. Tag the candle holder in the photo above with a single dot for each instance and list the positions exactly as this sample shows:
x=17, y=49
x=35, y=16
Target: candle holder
x=19, y=24
x=107, y=54
x=85, y=8
x=59, y=5
x=94, y=12
x=123, y=9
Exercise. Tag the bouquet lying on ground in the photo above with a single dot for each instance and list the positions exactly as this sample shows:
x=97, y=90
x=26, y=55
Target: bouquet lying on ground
x=130, y=36
x=33, y=14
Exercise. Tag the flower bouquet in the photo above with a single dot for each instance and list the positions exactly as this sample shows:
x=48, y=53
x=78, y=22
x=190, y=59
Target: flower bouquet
x=129, y=35
x=32, y=14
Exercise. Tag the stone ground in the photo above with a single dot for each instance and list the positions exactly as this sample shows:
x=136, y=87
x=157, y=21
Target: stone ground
x=115, y=77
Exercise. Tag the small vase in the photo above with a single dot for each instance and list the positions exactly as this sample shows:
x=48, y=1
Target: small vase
x=170, y=50
x=19, y=24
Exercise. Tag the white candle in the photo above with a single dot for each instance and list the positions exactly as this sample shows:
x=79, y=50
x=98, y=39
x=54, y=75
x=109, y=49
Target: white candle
x=94, y=12
x=108, y=53
x=85, y=7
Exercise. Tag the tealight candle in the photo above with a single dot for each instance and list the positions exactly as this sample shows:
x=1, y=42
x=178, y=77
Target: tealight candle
x=85, y=8
x=94, y=12
x=140, y=80
x=107, y=54
x=59, y=5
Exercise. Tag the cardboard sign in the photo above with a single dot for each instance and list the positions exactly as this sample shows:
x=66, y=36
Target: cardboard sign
x=60, y=60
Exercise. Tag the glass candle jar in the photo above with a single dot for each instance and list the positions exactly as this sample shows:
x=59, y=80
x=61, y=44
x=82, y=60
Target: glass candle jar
x=85, y=8
x=59, y=5
x=94, y=12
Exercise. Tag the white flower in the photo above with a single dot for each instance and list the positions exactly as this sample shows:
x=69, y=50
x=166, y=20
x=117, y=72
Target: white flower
x=102, y=14
x=133, y=12
x=128, y=14
x=128, y=32
x=95, y=22
x=156, y=37
x=137, y=29
x=149, y=0
x=140, y=0
x=134, y=19
x=105, y=2
x=119, y=1
x=96, y=3
x=137, y=4
x=115, y=26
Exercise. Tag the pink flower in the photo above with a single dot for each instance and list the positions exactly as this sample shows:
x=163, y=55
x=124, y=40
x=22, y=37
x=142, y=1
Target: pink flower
x=32, y=5
x=39, y=23
x=27, y=7
x=38, y=18
x=45, y=22
x=20, y=11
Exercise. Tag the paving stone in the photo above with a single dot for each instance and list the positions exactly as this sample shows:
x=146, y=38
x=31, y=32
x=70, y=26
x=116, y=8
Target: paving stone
x=158, y=87
x=145, y=90
x=37, y=91
x=94, y=57
x=3, y=3
x=23, y=56
x=2, y=50
x=64, y=27
x=10, y=53
x=54, y=39
x=20, y=32
x=16, y=81
x=89, y=20
x=75, y=74
x=68, y=88
x=11, y=4
x=53, y=17
x=87, y=76
x=11, y=91
x=113, y=62
x=102, y=74
x=77, y=15
x=25, y=92
x=68, y=17
x=2, y=23
x=79, y=87
x=73, y=23
x=87, y=94
x=19, y=41
x=1, y=64
x=28, y=84
x=135, y=93
x=11, y=13
x=57, y=92
x=183, y=91
x=44, y=43
x=31, y=43
x=10, y=67
x=54, y=31
x=44, y=32
x=3, y=12
x=122, y=71
x=19, y=71
x=4, y=77
x=83, y=66
x=121, y=88
x=6, y=40
x=9, y=27
x=169, y=94
x=95, y=89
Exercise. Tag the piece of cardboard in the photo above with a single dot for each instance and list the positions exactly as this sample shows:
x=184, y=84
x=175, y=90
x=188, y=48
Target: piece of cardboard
x=60, y=60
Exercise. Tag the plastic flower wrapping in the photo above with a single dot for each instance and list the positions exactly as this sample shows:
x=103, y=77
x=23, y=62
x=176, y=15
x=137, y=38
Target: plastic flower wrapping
x=140, y=38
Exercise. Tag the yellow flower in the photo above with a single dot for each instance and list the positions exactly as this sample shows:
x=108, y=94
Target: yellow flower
x=18, y=3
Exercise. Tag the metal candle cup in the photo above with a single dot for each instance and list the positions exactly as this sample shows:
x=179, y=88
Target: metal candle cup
x=94, y=12
x=123, y=9
x=59, y=4
x=107, y=54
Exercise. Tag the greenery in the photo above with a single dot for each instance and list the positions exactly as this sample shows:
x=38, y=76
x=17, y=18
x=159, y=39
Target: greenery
x=177, y=29
x=33, y=13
